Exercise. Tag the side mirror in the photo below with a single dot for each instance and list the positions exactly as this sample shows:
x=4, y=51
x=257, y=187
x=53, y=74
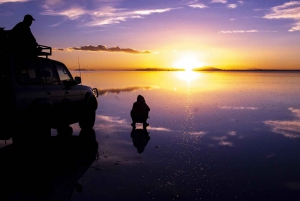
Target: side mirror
x=78, y=80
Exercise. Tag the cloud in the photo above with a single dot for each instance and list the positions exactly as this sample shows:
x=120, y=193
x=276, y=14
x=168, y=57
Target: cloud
x=218, y=1
x=232, y=6
x=13, y=1
x=288, y=10
x=103, y=48
x=199, y=5
x=237, y=108
x=119, y=90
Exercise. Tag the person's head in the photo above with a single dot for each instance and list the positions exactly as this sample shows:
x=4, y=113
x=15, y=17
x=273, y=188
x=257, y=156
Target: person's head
x=28, y=19
x=140, y=98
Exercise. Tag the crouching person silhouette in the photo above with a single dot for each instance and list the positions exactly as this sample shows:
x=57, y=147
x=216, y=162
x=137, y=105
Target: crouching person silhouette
x=140, y=112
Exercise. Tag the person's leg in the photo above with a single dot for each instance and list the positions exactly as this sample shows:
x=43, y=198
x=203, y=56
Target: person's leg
x=133, y=120
x=145, y=124
x=133, y=124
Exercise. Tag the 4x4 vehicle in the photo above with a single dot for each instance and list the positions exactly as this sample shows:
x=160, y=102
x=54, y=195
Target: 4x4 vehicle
x=38, y=93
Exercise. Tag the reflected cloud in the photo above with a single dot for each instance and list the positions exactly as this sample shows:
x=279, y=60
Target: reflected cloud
x=103, y=92
x=237, y=108
x=295, y=111
x=159, y=129
x=289, y=129
x=200, y=133
x=222, y=141
x=232, y=133
x=112, y=119
x=115, y=123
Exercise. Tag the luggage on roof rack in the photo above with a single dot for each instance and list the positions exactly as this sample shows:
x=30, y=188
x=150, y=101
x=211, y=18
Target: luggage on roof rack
x=41, y=50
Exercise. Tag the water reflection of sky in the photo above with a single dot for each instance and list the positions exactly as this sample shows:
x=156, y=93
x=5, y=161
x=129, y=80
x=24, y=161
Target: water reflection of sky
x=212, y=135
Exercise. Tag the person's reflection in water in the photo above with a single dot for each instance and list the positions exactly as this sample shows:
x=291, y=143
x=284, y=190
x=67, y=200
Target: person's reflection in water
x=140, y=138
x=140, y=112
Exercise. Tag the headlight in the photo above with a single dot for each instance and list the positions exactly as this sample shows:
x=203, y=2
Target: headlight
x=95, y=92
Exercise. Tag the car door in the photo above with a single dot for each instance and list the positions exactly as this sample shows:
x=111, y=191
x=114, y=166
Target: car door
x=72, y=92
x=50, y=80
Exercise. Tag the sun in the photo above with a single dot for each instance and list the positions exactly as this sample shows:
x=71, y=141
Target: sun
x=188, y=63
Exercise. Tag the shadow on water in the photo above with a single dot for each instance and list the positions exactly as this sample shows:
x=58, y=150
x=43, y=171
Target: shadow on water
x=140, y=138
x=50, y=171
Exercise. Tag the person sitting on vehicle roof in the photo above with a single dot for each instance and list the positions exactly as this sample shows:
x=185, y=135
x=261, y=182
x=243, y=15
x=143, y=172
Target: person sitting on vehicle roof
x=22, y=38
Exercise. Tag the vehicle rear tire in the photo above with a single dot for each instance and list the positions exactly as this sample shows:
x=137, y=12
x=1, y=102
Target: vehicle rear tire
x=87, y=120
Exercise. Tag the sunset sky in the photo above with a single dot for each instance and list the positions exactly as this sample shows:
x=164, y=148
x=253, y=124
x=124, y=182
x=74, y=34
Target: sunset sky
x=130, y=34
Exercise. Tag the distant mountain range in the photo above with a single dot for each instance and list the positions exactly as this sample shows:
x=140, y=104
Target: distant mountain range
x=206, y=68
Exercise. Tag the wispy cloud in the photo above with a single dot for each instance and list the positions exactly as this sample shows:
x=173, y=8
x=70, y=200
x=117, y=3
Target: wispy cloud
x=244, y=31
x=288, y=10
x=237, y=108
x=119, y=90
x=219, y=1
x=103, y=48
x=13, y=1
x=232, y=6
x=238, y=31
x=199, y=5
x=100, y=16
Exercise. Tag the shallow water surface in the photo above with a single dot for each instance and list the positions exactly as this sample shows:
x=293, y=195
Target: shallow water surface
x=212, y=136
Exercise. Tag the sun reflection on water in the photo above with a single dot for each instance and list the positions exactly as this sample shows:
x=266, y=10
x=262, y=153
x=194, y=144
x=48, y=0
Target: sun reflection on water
x=188, y=76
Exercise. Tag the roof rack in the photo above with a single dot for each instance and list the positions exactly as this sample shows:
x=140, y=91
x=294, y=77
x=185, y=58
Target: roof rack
x=6, y=47
x=42, y=52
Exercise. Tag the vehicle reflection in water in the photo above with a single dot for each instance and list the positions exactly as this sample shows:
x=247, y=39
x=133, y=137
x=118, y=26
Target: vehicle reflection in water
x=140, y=138
x=48, y=171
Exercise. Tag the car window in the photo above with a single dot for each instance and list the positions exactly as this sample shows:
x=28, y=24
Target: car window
x=64, y=74
x=26, y=72
x=48, y=73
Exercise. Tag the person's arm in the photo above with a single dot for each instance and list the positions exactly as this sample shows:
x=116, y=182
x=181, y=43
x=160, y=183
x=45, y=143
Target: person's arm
x=147, y=107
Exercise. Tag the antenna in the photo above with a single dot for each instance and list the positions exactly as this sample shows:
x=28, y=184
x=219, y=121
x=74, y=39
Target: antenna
x=79, y=69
